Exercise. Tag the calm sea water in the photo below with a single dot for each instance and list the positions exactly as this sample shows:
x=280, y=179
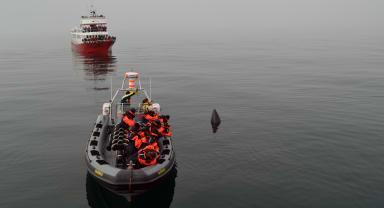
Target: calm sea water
x=302, y=122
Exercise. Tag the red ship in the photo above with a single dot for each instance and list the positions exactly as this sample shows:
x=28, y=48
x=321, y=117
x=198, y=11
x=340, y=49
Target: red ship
x=92, y=35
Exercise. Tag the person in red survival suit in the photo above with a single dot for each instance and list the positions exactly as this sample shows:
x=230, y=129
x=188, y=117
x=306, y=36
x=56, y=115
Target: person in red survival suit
x=133, y=135
x=134, y=132
x=148, y=156
x=128, y=118
x=164, y=124
x=156, y=129
x=139, y=139
x=147, y=140
x=151, y=135
x=150, y=115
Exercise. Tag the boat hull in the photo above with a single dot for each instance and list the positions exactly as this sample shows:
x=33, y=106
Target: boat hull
x=137, y=181
x=95, y=47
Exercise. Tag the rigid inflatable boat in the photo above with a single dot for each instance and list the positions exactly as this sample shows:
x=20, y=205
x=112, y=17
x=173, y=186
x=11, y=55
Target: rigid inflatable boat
x=113, y=168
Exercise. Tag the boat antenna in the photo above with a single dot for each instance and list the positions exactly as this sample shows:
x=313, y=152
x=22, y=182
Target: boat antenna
x=111, y=89
x=92, y=10
x=91, y=4
x=150, y=88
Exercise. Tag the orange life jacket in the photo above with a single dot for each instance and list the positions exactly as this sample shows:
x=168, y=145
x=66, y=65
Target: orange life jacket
x=155, y=146
x=161, y=130
x=128, y=121
x=151, y=118
x=153, y=131
x=144, y=140
x=167, y=134
x=165, y=131
x=143, y=158
x=139, y=142
x=134, y=138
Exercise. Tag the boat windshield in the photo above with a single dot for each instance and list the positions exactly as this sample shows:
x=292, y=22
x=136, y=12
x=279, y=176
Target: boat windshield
x=136, y=102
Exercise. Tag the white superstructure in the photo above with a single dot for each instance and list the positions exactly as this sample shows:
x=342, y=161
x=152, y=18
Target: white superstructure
x=93, y=29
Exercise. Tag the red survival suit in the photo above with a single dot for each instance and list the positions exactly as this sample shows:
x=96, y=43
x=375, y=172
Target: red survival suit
x=143, y=157
x=128, y=118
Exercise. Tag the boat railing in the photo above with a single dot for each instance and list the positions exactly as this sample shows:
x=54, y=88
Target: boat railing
x=136, y=101
x=93, y=17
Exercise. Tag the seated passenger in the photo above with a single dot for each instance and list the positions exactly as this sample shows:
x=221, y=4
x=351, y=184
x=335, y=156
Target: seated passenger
x=141, y=142
x=150, y=115
x=165, y=125
x=135, y=135
x=132, y=136
x=138, y=142
x=156, y=129
x=153, y=143
x=128, y=118
x=133, y=132
x=148, y=156
x=167, y=132
x=145, y=104
x=147, y=140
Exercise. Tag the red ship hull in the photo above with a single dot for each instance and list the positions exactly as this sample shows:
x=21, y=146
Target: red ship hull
x=98, y=47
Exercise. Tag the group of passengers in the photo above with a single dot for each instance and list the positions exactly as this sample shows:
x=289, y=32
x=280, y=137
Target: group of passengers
x=143, y=148
x=93, y=28
x=93, y=14
x=97, y=38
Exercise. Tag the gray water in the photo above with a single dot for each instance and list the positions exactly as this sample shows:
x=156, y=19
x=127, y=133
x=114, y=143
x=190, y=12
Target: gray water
x=302, y=121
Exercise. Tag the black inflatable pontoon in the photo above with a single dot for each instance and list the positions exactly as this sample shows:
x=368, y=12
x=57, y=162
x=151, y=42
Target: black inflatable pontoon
x=105, y=165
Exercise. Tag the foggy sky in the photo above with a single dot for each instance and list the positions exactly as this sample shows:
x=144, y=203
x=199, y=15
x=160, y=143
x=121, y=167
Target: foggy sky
x=196, y=18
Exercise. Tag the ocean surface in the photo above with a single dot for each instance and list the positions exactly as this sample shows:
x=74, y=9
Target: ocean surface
x=302, y=122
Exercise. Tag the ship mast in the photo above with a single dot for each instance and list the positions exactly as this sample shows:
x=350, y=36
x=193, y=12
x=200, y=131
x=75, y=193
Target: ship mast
x=92, y=11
